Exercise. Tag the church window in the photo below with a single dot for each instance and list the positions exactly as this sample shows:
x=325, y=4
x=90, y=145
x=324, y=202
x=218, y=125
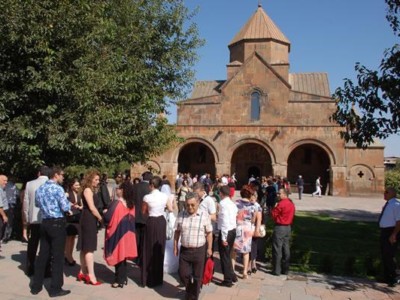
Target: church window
x=255, y=106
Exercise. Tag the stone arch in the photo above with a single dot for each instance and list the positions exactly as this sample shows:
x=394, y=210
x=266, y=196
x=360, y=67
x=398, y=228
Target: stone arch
x=251, y=157
x=310, y=159
x=361, y=179
x=137, y=169
x=197, y=156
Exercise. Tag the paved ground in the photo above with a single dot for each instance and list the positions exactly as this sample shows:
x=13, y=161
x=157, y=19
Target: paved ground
x=15, y=285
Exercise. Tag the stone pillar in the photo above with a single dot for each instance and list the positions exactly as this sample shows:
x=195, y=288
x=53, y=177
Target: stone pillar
x=279, y=169
x=379, y=184
x=339, y=181
x=222, y=168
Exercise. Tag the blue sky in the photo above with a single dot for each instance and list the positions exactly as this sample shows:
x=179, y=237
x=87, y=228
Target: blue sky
x=325, y=35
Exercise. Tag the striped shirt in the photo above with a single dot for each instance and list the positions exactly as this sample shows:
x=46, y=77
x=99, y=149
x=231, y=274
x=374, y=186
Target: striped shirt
x=193, y=228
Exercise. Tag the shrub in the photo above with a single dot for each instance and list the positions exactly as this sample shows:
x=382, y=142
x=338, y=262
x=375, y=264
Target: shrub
x=392, y=179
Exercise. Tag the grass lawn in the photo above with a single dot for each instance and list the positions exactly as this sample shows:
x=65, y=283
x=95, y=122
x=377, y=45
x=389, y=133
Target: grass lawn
x=326, y=245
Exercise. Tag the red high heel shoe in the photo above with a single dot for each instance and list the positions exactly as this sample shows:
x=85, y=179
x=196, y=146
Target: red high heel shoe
x=82, y=277
x=93, y=283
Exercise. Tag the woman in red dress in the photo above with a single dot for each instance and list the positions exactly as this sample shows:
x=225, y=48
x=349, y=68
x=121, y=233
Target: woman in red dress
x=120, y=242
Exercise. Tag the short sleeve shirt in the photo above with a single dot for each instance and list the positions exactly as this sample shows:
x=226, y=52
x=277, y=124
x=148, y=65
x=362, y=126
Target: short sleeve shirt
x=391, y=214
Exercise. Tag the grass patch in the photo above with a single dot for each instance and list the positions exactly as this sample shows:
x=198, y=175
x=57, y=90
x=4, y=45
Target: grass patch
x=326, y=245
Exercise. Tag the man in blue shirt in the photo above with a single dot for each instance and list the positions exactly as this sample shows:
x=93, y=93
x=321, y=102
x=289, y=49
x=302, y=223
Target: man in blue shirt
x=389, y=224
x=53, y=204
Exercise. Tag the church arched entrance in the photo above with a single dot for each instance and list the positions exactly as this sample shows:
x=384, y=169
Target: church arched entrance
x=250, y=159
x=196, y=158
x=310, y=161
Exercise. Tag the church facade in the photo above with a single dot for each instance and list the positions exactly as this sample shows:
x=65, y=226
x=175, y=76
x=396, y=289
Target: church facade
x=263, y=120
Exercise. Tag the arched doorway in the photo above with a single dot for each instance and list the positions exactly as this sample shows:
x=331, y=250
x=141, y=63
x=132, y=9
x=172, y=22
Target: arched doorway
x=310, y=161
x=250, y=159
x=196, y=158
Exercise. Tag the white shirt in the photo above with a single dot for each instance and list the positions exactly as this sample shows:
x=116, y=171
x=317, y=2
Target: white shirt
x=226, y=217
x=224, y=180
x=208, y=205
x=391, y=214
x=157, y=202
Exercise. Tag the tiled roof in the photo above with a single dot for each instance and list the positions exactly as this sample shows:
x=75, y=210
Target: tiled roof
x=311, y=83
x=206, y=88
x=260, y=26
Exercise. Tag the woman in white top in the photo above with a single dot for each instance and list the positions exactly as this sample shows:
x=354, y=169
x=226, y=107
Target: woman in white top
x=154, y=204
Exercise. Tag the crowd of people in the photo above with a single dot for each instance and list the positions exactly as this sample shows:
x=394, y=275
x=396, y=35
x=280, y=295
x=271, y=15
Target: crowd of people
x=56, y=211
x=207, y=219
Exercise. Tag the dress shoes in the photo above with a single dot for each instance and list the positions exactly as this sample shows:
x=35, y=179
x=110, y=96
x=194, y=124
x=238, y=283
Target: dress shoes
x=225, y=284
x=2, y=257
x=59, y=293
x=29, y=272
x=35, y=292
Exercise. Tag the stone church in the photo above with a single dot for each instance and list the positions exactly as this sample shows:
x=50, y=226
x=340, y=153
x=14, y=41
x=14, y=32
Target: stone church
x=264, y=120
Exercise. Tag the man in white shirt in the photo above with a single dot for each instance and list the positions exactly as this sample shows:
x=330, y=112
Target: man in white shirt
x=207, y=204
x=389, y=224
x=227, y=233
x=318, y=187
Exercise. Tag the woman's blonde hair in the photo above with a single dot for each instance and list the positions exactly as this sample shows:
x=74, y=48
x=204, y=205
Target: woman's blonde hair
x=88, y=179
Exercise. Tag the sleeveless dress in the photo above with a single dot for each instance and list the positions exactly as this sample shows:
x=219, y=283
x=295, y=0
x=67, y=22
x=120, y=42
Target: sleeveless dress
x=87, y=241
x=244, y=227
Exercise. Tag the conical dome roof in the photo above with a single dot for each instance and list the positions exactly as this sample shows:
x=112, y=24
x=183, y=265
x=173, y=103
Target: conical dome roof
x=260, y=26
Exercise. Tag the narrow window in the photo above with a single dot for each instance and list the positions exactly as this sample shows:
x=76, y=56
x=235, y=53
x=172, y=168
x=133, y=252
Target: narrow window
x=255, y=106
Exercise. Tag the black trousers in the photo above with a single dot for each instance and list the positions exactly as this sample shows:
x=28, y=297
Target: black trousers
x=120, y=272
x=33, y=244
x=8, y=228
x=388, y=252
x=281, y=249
x=140, y=232
x=191, y=268
x=225, y=255
x=52, y=242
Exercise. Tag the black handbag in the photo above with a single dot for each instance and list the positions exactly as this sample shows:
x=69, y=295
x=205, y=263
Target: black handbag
x=75, y=217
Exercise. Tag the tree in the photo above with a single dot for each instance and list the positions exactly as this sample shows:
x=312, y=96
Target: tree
x=87, y=82
x=371, y=108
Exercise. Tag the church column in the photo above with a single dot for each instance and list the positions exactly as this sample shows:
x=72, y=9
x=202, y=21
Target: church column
x=338, y=181
x=279, y=169
x=222, y=168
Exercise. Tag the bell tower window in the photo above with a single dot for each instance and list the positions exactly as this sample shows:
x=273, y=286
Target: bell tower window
x=255, y=106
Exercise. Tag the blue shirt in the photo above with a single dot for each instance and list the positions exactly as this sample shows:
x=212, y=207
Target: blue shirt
x=51, y=200
x=3, y=199
x=391, y=214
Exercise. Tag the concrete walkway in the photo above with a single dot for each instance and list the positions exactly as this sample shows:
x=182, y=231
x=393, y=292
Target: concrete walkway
x=15, y=285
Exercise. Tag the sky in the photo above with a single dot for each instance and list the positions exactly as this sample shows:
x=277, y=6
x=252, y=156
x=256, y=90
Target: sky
x=325, y=35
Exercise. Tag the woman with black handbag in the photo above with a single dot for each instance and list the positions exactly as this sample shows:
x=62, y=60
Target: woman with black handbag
x=72, y=227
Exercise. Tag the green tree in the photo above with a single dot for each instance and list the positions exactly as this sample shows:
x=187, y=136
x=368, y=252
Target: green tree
x=371, y=108
x=87, y=82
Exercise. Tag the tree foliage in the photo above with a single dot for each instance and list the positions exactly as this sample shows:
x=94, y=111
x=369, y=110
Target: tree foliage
x=87, y=82
x=370, y=108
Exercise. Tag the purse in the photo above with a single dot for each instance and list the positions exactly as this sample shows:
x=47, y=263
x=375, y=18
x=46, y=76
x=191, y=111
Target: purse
x=170, y=226
x=262, y=232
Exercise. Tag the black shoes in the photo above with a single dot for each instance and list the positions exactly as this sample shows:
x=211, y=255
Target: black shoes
x=71, y=264
x=393, y=282
x=59, y=293
x=35, y=292
x=225, y=284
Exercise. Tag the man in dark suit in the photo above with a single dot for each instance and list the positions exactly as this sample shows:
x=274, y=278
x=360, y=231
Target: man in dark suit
x=33, y=217
x=139, y=191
